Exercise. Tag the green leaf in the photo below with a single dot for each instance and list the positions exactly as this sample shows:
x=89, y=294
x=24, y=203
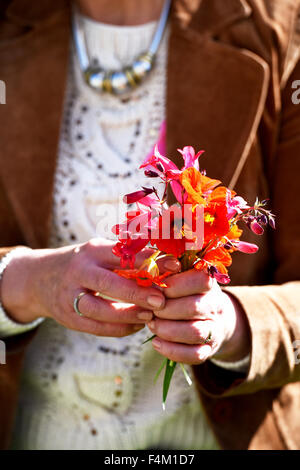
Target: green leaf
x=170, y=367
x=160, y=369
x=187, y=377
x=149, y=339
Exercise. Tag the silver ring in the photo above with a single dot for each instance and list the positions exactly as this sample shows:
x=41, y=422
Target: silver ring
x=76, y=302
x=208, y=339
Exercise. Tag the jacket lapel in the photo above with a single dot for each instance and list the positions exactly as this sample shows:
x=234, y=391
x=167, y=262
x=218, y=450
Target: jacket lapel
x=215, y=98
x=216, y=92
x=34, y=67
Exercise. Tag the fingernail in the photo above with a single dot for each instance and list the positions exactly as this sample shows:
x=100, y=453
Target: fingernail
x=172, y=264
x=145, y=316
x=155, y=301
x=138, y=327
x=151, y=324
x=156, y=343
x=203, y=358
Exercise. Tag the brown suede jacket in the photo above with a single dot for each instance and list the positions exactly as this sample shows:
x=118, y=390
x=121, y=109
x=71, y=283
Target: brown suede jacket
x=231, y=66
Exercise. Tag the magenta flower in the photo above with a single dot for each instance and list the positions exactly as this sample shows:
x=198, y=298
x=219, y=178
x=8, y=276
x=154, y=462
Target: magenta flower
x=128, y=250
x=161, y=165
x=190, y=158
x=245, y=247
x=235, y=205
x=256, y=228
x=136, y=196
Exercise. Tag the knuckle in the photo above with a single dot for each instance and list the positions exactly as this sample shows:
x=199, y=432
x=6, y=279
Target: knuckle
x=199, y=356
x=206, y=282
x=104, y=281
x=89, y=245
x=170, y=291
x=172, y=352
x=196, y=332
x=195, y=307
x=91, y=306
x=132, y=294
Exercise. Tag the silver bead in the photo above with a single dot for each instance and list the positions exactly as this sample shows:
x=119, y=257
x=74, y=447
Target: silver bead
x=95, y=78
x=119, y=82
x=142, y=66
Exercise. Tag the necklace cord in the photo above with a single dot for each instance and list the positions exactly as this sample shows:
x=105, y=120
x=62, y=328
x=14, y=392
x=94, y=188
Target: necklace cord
x=122, y=81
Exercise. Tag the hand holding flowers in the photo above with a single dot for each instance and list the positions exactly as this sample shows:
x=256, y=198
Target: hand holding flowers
x=195, y=309
x=202, y=231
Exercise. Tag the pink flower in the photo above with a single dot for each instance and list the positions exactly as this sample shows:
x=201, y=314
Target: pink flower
x=246, y=247
x=161, y=165
x=215, y=273
x=190, y=158
x=235, y=205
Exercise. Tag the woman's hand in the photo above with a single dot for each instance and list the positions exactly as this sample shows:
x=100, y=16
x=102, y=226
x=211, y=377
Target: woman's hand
x=199, y=321
x=44, y=283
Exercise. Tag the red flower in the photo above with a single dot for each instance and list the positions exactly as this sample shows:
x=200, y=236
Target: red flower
x=216, y=262
x=216, y=223
x=143, y=277
x=127, y=250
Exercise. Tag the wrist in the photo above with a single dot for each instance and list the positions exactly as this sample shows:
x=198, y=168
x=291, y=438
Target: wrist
x=17, y=287
x=237, y=344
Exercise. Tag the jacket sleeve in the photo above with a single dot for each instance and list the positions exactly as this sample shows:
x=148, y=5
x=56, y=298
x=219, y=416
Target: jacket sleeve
x=272, y=311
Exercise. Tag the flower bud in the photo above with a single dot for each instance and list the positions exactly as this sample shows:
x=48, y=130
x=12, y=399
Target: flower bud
x=150, y=174
x=256, y=228
x=137, y=195
x=272, y=222
x=246, y=247
x=263, y=219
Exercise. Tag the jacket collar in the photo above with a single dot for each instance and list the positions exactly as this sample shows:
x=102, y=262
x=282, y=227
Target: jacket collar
x=209, y=17
x=227, y=86
x=35, y=13
x=219, y=111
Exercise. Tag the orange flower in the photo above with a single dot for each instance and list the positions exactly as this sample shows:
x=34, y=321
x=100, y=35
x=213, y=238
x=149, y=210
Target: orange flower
x=235, y=233
x=196, y=185
x=220, y=195
x=143, y=277
x=218, y=257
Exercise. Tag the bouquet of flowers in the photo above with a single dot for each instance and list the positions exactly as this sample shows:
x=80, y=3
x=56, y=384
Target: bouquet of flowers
x=201, y=229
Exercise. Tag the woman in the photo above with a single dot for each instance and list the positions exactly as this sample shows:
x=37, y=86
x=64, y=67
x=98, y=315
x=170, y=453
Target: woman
x=226, y=60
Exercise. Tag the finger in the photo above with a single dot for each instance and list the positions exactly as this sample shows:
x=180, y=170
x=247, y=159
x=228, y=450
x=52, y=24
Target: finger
x=102, y=250
x=185, y=308
x=188, y=332
x=188, y=283
x=93, y=327
x=169, y=263
x=186, y=354
x=116, y=287
x=96, y=308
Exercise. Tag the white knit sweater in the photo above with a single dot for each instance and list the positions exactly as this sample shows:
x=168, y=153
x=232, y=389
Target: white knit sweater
x=80, y=391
